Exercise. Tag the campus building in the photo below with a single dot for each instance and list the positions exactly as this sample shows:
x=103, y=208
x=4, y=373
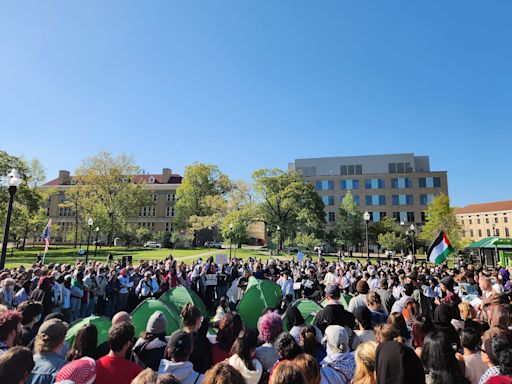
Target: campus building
x=483, y=220
x=396, y=185
x=158, y=216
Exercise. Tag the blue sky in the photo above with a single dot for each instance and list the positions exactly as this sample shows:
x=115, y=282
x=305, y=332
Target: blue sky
x=252, y=84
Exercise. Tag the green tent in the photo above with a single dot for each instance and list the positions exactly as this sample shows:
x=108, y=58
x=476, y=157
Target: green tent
x=308, y=310
x=179, y=296
x=344, y=300
x=259, y=294
x=144, y=310
x=102, y=323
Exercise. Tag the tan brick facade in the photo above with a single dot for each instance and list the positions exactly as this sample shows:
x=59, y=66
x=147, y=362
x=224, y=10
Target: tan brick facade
x=479, y=221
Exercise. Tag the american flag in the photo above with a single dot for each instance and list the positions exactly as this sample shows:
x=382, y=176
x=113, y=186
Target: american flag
x=46, y=235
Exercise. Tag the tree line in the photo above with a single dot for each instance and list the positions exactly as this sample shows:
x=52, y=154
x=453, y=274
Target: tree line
x=209, y=206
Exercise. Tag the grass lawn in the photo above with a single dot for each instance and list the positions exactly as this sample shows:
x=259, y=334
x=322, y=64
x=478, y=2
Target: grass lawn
x=69, y=255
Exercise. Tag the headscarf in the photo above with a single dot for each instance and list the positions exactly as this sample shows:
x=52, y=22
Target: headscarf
x=398, y=364
x=293, y=317
x=81, y=371
x=443, y=314
x=336, y=340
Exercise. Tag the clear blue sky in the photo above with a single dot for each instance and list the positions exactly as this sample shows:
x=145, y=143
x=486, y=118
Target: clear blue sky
x=252, y=84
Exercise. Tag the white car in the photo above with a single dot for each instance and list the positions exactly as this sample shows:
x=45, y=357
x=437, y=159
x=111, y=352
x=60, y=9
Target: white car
x=152, y=244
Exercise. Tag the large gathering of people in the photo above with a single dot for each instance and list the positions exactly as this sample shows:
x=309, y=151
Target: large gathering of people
x=379, y=322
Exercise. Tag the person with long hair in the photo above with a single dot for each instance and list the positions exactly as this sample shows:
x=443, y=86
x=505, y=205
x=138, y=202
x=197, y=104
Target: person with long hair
x=147, y=376
x=223, y=373
x=309, y=343
x=365, y=363
x=309, y=367
x=439, y=361
x=85, y=343
x=387, y=332
x=398, y=321
x=243, y=357
x=396, y=363
x=230, y=327
x=470, y=341
x=286, y=373
x=420, y=328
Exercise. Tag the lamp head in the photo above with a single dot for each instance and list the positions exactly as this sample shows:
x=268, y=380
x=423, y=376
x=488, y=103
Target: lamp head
x=97, y=229
x=366, y=216
x=13, y=178
x=412, y=227
x=90, y=222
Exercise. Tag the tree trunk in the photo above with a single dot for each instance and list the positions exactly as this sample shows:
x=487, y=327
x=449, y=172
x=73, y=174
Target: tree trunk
x=25, y=235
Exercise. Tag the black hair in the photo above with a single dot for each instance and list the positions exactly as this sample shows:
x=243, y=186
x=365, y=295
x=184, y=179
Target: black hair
x=438, y=358
x=243, y=346
x=502, y=353
x=119, y=335
x=85, y=343
x=287, y=346
x=29, y=309
x=408, y=289
x=470, y=338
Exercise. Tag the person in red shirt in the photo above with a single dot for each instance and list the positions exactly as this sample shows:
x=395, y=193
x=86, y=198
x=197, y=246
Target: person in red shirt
x=114, y=367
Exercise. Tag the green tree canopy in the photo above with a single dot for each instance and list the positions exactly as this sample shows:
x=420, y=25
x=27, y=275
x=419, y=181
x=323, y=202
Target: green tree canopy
x=441, y=217
x=109, y=191
x=349, y=228
x=288, y=202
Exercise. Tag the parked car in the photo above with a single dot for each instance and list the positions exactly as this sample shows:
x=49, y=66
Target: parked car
x=292, y=249
x=100, y=243
x=212, y=244
x=152, y=244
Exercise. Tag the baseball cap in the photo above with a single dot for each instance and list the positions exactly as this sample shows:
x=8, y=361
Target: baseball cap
x=180, y=343
x=332, y=290
x=53, y=329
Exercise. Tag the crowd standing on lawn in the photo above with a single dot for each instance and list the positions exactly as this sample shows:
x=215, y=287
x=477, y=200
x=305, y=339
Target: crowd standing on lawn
x=385, y=322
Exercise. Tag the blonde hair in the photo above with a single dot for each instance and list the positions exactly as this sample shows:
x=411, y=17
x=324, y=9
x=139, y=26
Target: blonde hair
x=365, y=363
x=44, y=343
x=309, y=368
x=147, y=376
x=387, y=332
x=467, y=311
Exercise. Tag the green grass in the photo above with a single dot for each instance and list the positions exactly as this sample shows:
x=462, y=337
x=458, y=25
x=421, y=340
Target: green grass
x=69, y=255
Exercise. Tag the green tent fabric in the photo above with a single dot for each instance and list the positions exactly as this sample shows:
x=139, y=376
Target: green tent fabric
x=344, y=300
x=259, y=294
x=308, y=310
x=144, y=310
x=102, y=323
x=179, y=296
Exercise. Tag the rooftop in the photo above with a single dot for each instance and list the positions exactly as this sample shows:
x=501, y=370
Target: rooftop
x=485, y=207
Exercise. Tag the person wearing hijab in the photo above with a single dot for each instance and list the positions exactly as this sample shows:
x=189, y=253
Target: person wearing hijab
x=339, y=365
x=43, y=294
x=443, y=316
x=398, y=364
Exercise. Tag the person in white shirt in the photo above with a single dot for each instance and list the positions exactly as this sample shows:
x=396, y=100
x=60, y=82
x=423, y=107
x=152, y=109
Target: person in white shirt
x=400, y=304
x=126, y=284
x=147, y=287
x=330, y=277
x=101, y=283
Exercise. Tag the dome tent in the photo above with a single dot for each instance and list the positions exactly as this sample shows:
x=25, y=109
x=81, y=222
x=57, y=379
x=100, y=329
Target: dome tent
x=179, y=296
x=259, y=294
x=144, y=310
x=101, y=323
x=308, y=310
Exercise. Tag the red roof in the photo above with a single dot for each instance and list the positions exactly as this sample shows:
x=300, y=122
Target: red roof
x=174, y=179
x=485, y=207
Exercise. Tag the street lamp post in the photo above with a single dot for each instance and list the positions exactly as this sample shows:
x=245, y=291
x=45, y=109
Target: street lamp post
x=413, y=230
x=278, y=238
x=96, y=242
x=90, y=222
x=230, y=238
x=366, y=217
x=13, y=182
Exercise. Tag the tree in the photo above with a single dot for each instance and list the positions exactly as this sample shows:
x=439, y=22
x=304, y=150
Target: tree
x=392, y=241
x=349, y=227
x=241, y=212
x=143, y=234
x=110, y=191
x=289, y=203
x=307, y=241
x=441, y=217
x=201, y=198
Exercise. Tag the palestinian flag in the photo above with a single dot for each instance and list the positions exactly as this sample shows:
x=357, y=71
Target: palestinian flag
x=440, y=249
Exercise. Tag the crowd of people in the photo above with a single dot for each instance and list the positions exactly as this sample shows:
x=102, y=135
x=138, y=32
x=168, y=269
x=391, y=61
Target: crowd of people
x=383, y=322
